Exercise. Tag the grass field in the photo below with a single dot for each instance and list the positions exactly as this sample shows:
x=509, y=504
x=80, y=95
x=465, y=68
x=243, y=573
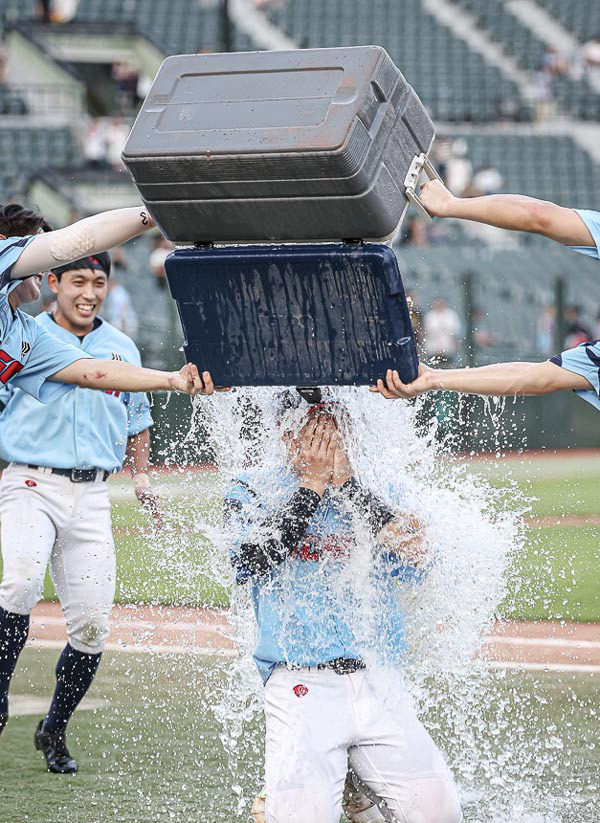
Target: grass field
x=151, y=749
x=559, y=571
x=151, y=752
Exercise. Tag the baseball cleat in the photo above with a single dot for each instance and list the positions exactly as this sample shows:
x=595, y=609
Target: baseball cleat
x=3, y=721
x=54, y=747
x=357, y=807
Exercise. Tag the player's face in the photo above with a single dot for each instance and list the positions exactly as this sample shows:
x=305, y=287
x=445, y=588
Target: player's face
x=79, y=296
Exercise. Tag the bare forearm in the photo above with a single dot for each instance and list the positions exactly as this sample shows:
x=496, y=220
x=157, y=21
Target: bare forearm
x=509, y=211
x=505, y=379
x=113, y=375
x=138, y=453
x=91, y=235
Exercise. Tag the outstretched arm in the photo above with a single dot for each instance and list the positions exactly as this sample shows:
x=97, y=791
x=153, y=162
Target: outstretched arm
x=509, y=211
x=88, y=236
x=113, y=375
x=499, y=379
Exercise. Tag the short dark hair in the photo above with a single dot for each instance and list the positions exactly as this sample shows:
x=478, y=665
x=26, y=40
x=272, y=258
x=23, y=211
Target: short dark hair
x=19, y=221
x=100, y=262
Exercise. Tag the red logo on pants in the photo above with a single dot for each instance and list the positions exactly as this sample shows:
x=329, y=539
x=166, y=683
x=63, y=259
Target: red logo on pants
x=300, y=690
x=30, y=483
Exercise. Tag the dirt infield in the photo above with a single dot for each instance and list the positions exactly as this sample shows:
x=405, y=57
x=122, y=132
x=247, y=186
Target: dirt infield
x=544, y=645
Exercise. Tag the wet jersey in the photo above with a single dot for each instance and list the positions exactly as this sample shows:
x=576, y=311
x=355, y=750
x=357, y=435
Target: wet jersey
x=85, y=428
x=306, y=611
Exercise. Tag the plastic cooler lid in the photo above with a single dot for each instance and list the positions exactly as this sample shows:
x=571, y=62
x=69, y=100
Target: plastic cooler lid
x=259, y=102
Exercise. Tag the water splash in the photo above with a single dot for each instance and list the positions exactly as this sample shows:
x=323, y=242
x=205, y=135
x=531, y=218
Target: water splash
x=498, y=730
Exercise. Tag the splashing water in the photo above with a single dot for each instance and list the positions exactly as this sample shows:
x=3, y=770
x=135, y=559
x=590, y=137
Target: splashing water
x=503, y=750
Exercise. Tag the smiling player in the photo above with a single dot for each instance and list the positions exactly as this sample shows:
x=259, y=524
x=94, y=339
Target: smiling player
x=54, y=503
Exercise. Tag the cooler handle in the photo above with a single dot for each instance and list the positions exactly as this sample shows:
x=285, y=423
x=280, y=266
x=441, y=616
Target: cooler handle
x=421, y=163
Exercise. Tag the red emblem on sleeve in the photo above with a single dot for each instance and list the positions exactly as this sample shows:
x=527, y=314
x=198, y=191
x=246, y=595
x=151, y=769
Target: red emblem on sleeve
x=8, y=366
x=300, y=690
x=31, y=483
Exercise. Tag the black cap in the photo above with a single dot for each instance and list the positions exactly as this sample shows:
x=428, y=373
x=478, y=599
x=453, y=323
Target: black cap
x=100, y=262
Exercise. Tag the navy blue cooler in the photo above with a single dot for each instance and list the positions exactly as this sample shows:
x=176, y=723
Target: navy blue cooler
x=298, y=315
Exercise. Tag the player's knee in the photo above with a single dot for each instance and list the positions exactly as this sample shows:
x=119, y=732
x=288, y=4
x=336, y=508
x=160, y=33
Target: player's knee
x=19, y=594
x=88, y=634
x=433, y=799
x=314, y=803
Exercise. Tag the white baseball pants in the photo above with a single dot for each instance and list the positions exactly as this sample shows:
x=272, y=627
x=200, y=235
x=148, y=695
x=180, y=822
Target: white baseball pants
x=47, y=519
x=318, y=721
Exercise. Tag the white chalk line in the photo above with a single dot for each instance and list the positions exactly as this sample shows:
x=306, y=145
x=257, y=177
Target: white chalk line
x=230, y=653
x=543, y=641
x=204, y=651
x=581, y=668
x=167, y=626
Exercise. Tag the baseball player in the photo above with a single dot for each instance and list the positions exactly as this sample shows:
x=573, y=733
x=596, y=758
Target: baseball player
x=32, y=358
x=293, y=531
x=576, y=368
x=54, y=504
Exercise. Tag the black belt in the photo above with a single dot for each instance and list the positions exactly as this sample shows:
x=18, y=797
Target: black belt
x=76, y=475
x=340, y=665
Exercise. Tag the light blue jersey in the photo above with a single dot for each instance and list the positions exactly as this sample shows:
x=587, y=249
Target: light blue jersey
x=297, y=605
x=585, y=358
x=29, y=354
x=85, y=428
x=592, y=221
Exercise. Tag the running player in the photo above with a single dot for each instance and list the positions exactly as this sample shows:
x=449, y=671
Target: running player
x=576, y=368
x=293, y=531
x=32, y=358
x=54, y=504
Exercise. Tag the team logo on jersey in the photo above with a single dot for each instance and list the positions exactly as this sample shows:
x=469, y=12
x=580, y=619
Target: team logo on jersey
x=300, y=690
x=31, y=483
x=25, y=349
x=8, y=366
x=116, y=356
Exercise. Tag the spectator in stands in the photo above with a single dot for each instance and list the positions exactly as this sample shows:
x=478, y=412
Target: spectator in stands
x=442, y=331
x=554, y=62
x=118, y=309
x=115, y=136
x=459, y=169
x=546, y=330
x=161, y=249
x=118, y=306
x=575, y=330
x=482, y=337
x=126, y=78
x=542, y=94
x=486, y=180
x=43, y=11
x=415, y=233
x=94, y=145
x=590, y=53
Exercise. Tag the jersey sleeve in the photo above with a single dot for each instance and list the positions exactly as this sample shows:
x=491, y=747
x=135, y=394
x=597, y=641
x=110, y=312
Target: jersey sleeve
x=592, y=221
x=10, y=251
x=48, y=355
x=584, y=360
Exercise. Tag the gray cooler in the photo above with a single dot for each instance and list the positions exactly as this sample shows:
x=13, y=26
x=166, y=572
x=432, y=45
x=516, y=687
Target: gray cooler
x=315, y=144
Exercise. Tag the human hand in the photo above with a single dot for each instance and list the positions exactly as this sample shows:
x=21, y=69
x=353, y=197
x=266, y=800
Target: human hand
x=312, y=453
x=150, y=501
x=342, y=468
x=394, y=387
x=436, y=198
x=188, y=380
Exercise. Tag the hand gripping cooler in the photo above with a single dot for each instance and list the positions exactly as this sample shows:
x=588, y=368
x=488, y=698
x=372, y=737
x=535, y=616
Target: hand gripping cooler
x=297, y=315
x=315, y=144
